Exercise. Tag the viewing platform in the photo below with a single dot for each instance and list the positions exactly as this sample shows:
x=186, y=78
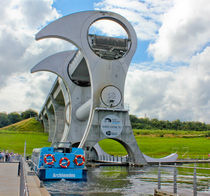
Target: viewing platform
x=17, y=179
x=9, y=179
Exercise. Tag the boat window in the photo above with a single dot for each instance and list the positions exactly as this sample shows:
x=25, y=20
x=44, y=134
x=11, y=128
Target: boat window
x=58, y=150
x=63, y=150
x=67, y=150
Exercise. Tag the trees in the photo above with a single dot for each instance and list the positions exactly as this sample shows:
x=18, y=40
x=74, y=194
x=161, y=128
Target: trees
x=146, y=123
x=176, y=125
x=13, y=117
x=28, y=114
x=134, y=119
x=3, y=119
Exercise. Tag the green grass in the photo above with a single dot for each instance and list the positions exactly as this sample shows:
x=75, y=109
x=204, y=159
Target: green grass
x=15, y=142
x=185, y=147
x=112, y=147
x=170, y=133
x=14, y=136
x=163, y=146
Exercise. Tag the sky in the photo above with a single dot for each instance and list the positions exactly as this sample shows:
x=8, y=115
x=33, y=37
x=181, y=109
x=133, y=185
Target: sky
x=168, y=78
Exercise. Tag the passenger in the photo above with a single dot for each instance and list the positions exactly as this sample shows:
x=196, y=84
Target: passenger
x=10, y=157
x=18, y=157
x=6, y=156
x=0, y=156
x=3, y=156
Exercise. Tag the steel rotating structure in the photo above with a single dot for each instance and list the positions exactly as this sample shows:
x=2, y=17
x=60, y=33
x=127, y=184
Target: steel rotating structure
x=94, y=77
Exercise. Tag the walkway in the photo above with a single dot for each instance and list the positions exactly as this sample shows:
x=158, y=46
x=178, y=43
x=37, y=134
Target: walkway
x=9, y=180
x=34, y=183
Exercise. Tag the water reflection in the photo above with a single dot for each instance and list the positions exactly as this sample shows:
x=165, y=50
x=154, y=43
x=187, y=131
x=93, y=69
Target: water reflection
x=105, y=181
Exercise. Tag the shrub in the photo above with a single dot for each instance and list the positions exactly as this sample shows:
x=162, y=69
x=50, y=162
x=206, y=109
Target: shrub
x=207, y=134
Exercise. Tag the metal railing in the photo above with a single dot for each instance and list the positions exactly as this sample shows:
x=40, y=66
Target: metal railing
x=175, y=175
x=113, y=159
x=23, y=180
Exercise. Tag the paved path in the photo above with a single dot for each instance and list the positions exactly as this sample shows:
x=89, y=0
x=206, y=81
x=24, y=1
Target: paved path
x=33, y=183
x=9, y=180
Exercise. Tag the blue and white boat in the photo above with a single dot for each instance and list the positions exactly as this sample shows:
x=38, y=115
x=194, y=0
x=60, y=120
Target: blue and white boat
x=54, y=163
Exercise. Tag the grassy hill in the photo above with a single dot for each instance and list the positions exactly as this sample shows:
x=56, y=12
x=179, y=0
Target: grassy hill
x=13, y=137
x=27, y=125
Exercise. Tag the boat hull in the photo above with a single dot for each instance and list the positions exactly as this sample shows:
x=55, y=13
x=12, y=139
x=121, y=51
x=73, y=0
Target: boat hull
x=58, y=174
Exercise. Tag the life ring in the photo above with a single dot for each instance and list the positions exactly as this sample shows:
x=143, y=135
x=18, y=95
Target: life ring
x=47, y=162
x=62, y=164
x=79, y=156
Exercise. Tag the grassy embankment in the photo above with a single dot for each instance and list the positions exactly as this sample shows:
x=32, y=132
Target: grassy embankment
x=13, y=137
x=156, y=143
x=160, y=143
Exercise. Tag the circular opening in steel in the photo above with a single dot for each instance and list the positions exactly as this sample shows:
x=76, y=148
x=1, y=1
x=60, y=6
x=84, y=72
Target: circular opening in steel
x=111, y=96
x=108, y=39
x=78, y=70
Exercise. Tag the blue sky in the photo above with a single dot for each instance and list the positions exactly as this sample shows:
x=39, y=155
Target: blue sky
x=169, y=77
x=66, y=7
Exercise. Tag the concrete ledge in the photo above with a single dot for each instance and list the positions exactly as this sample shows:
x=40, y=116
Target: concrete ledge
x=35, y=186
x=181, y=192
x=159, y=192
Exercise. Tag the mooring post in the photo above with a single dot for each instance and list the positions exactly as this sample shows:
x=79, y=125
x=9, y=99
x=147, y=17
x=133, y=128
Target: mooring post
x=195, y=182
x=41, y=184
x=175, y=179
x=19, y=167
x=159, y=176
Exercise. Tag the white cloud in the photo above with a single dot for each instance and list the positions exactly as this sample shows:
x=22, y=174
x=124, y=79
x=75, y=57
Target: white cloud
x=145, y=91
x=184, y=31
x=183, y=94
x=19, y=52
x=107, y=27
x=145, y=16
x=18, y=28
x=24, y=91
x=37, y=13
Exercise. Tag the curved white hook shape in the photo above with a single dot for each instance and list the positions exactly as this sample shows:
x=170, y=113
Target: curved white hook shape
x=55, y=63
x=67, y=28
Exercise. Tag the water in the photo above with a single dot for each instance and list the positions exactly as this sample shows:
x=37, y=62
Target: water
x=130, y=181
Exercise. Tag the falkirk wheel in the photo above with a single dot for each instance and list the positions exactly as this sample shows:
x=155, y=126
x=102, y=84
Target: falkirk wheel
x=93, y=79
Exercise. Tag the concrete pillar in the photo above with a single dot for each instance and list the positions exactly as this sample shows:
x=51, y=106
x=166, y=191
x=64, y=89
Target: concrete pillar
x=51, y=120
x=59, y=120
x=45, y=123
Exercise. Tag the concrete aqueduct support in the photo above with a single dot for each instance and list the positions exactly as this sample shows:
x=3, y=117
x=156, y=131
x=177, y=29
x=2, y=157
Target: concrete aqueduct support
x=44, y=119
x=51, y=120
